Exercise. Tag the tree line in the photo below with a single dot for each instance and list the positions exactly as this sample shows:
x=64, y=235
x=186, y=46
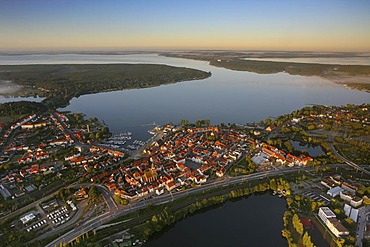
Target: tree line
x=60, y=83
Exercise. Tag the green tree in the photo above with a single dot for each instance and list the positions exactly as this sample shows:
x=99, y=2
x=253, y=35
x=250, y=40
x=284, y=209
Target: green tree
x=313, y=206
x=298, y=226
x=273, y=184
x=307, y=242
x=94, y=194
x=184, y=122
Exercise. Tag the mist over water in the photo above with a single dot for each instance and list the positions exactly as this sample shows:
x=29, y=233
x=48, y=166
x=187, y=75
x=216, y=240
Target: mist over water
x=226, y=97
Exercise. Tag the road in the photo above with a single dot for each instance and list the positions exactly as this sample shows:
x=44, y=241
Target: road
x=68, y=131
x=107, y=197
x=123, y=210
x=348, y=162
x=362, y=221
x=29, y=206
x=112, y=207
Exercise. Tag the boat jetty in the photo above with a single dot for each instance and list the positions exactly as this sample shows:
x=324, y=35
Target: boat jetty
x=118, y=140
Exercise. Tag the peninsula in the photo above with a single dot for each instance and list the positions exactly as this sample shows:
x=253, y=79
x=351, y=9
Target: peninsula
x=60, y=83
x=353, y=76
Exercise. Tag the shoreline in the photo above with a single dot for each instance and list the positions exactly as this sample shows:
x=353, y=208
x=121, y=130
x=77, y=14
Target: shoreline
x=354, y=77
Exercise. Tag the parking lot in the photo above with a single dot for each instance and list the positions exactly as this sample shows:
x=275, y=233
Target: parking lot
x=317, y=196
x=59, y=216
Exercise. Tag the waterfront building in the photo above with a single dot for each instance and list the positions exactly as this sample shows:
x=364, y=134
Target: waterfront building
x=331, y=221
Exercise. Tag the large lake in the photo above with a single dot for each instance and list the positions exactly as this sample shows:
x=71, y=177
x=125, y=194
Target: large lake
x=252, y=221
x=227, y=96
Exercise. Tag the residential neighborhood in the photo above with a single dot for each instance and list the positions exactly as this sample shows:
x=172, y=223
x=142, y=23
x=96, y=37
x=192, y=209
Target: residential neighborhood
x=66, y=156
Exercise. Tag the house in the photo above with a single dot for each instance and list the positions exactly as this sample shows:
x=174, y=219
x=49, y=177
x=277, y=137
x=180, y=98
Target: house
x=81, y=194
x=170, y=185
x=350, y=187
x=200, y=179
x=159, y=191
x=220, y=173
x=158, y=143
x=327, y=183
x=27, y=126
x=180, y=166
x=337, y=179
x=111, y=186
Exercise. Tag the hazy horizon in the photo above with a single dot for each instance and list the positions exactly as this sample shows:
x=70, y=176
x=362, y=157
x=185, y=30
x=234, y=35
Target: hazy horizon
x=320, y=26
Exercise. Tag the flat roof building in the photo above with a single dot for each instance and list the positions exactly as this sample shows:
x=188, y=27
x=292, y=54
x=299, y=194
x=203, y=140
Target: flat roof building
x=330, y=220
x=333, y=192
x=25, y=219
x=325, y=213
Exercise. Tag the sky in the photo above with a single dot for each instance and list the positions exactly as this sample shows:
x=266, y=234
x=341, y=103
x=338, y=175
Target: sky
x=310, y=25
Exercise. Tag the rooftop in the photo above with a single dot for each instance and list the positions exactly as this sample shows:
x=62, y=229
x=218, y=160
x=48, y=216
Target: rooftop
x=328, y=213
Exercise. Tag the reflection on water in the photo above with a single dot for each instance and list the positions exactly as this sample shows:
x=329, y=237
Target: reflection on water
x=252, y=221
x=227, y=96
x=312, y=151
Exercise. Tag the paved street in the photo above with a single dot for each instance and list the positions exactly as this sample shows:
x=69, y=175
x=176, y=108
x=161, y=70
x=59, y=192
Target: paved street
x=361, y=225
x=123, y=210
x=348, y=162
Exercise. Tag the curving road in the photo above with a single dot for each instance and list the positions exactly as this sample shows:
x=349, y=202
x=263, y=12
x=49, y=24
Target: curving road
x=123, y=210
x=348, y=162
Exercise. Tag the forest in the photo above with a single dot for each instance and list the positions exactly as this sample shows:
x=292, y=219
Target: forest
x=305, y=69
x=354, y=76
x=60, y=83
x=21, y=108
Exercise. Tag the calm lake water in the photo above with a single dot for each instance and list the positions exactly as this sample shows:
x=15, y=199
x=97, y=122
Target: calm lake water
x=253, y=221
x=227, y=96
x=312, y=151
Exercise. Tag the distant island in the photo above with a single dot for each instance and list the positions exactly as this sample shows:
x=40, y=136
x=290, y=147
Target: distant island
x=60, y=83
x=353, y=76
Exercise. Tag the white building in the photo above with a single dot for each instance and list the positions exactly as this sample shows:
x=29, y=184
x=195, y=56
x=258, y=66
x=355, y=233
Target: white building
x=333, y=192
x=325, y=214
x=330, y=220
x=354, y=201
x=25, y=219
x=351, y=212
x=337, y=228
x=354, y=214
